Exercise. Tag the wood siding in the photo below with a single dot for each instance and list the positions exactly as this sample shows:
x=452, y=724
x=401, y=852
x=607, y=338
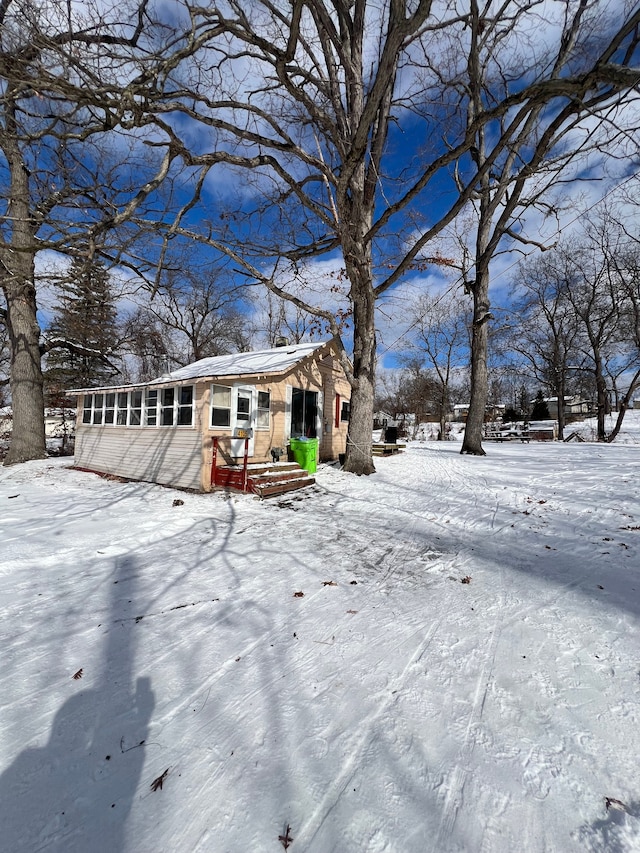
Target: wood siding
x=327, y=378
x=171, y=456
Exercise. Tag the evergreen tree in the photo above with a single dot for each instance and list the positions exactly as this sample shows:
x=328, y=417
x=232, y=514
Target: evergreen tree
x=540, y=411
x=83, y=331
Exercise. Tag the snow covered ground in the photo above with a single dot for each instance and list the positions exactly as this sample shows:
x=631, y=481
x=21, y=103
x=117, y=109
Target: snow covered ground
x=444, y=656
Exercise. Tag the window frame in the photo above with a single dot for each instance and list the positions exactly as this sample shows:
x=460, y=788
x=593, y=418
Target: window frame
x=151, y=408
x=261, y=410
x=167, y=406
x=214, y=408
x=145, y=408
x=182, y=406
x=109, y=414
x=98, y=409
x=122, y=409
x=87, y=410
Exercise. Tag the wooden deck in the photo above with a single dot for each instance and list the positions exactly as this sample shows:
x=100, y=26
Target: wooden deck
x=383, y=448
x=496, y=435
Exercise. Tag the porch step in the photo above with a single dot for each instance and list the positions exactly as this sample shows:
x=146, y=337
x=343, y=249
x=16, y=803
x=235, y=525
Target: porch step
x=265, y=479
x=271, y=468
x=279, y=487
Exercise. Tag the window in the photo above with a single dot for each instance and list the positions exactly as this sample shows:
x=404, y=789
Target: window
x=166, y=406
x=98, y=403
x=345, y=412
x=185, y=405
x=87, y=407
x=151, y=407
x=243, y=410
x=121, y=414
x=109, y=408
x=135, y=408
x=220, y=406
x=264, y=404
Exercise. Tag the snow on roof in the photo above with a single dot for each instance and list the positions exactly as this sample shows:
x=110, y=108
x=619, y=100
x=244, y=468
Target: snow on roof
x=259, y=362
x=275, y=360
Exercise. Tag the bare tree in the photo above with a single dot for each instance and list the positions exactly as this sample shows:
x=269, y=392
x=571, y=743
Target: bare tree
x=544, y=331
x=305, y=100
x=278, y=320
x=65, y=87
x=441, y=335
x=412, y=390
x=625, y=259
x=520, y=155
x=201, y=313
x=591, y=285
x=4, y=359
x=145, y=347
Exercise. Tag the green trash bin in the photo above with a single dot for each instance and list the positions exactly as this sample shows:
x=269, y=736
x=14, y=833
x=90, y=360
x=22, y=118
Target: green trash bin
x=305, y=453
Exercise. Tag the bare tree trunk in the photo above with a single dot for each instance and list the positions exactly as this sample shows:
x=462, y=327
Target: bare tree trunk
x=472, y=442
x=27, y=398
x=601, y=396
x=624, y=405
x=359, y=459
x=17, y=261
x=444, y=411
x=559, y=389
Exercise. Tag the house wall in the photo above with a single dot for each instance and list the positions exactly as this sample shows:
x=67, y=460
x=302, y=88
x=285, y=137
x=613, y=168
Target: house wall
x=182, y=456
x=334, y=430
x=172, y=456
x=326, y=377
x=263, y=439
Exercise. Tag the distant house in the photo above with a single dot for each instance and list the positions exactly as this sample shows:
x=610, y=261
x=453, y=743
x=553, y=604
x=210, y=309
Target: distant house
x=59, y=425
x=491, y=412
x=59, y=422
x=162, y=431
x=573, y=405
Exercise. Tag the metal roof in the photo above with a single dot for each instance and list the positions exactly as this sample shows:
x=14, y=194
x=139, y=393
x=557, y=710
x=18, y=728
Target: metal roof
x=257, y=363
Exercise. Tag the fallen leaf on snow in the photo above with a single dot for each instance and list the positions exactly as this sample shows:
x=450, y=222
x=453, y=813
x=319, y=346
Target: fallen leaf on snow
x=157, y=783
x=77, y=674
x=612, y=803
x=466, y=579
x=329, y=583
x=298, y=594
x=286, y=839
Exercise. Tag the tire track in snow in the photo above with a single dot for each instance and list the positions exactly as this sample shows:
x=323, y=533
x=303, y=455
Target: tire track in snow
x=361, y=743
x=455, y=788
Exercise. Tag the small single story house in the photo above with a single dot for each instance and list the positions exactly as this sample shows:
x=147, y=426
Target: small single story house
x=573, y=405
x=383, y=419
x=491, y=412
x=162, y=431
x=59, y=422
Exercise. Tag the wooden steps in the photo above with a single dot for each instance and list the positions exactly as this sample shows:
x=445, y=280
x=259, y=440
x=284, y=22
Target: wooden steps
x=270, y=489
x=264, y=479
